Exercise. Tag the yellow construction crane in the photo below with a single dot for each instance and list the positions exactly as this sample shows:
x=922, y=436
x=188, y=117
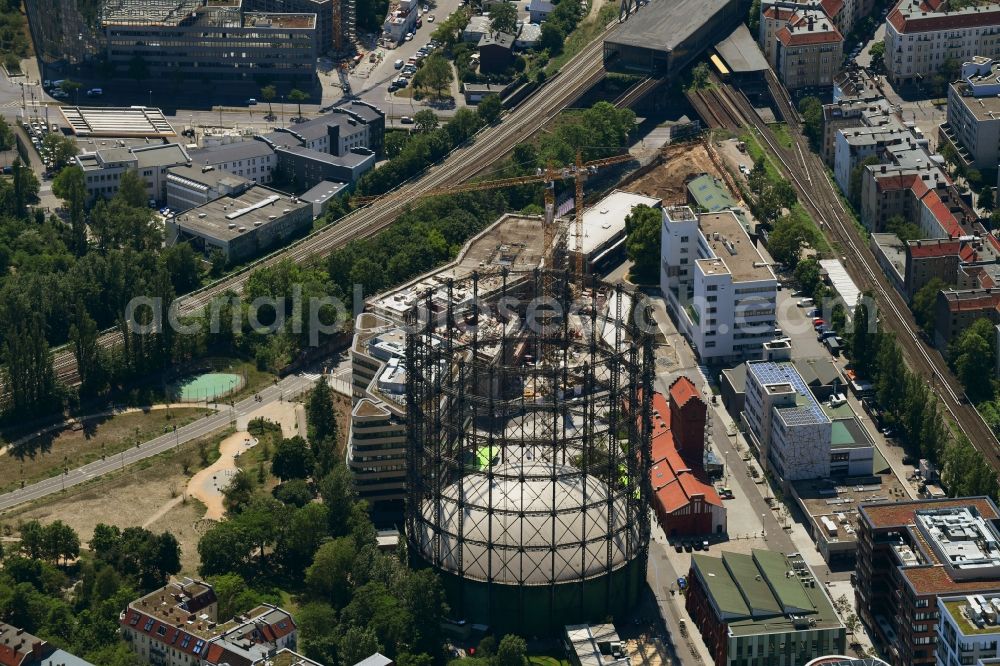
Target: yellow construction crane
x=549, y=175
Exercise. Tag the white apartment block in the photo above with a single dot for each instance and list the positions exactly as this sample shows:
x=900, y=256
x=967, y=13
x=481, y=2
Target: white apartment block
x=376, y=447
x=854, y=145
x=103, y=169
x=921, y=35
x=968, y=633
x=785, y=422
x=718, y=286
x=973, y=125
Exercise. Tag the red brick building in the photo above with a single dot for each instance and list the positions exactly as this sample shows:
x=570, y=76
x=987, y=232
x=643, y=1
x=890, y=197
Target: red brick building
x=909, y=553
x=686, y=503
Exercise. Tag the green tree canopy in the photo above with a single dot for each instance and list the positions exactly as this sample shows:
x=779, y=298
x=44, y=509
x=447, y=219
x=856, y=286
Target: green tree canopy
x=642, y=228
x=503, y=17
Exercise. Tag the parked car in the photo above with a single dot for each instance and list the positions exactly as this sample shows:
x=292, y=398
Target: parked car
x=678, y=547
x=409, y=37
x=430, y=19
x=818, y=322
x=704, y=544
x=805, y=303
x=406, y=120
x=95, y=92
x=252, y=102
x=398, y=64
x=688, y=547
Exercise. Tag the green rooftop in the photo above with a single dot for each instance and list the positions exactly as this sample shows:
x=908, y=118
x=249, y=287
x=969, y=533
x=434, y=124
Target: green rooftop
x=710, y=193
x=954, y=607
x=756, y=594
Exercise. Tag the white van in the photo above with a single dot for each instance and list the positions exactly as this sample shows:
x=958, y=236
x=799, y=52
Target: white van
x=398, y=64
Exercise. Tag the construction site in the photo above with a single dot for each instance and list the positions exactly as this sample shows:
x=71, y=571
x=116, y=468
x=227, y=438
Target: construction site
x=528, y=442
x=512, y=389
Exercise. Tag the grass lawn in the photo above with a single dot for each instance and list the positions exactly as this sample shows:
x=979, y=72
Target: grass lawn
x=546, y=660
x=131, y=497
x=756, y=151
x=48, y=454
x=584, y=34
x=781, y=132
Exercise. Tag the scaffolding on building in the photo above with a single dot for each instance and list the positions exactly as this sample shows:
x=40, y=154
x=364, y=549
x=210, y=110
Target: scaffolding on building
x=529, y=435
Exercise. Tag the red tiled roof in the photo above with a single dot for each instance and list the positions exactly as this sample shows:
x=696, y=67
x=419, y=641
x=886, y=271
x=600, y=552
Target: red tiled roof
x=900, y=514
x=804, y=37
x=935, y=580
x=674, y=481
x=942, y=214
x=214, y=653
x=931, y=21
x=172, y=636
x=779, y=13
x=832, y=7
x=994, y=241
x=984, y=302
x=932, y=249
x=682, y=390
x=967, y=253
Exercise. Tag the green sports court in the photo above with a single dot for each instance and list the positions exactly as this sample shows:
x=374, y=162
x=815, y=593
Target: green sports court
x=207, y=387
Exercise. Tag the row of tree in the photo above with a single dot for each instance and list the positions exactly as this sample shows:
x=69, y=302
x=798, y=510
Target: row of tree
x=354, y=600
x=35, y=591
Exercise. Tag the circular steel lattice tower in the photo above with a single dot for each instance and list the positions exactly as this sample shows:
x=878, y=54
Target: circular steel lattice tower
x=528, y=447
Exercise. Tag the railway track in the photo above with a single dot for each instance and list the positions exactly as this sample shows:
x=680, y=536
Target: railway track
x=463, y=163
x=818, y=194
x=715, y=113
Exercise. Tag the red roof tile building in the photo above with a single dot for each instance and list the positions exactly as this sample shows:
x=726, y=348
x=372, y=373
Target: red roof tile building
x=177, y=625
x=686, y=503
x=920, y=36
x=802, y=45
x=909, y=553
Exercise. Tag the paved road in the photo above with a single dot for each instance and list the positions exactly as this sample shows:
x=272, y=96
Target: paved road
x=287, y=388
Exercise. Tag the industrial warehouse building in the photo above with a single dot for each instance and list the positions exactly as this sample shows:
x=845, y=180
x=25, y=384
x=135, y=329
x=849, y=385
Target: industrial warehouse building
x=243, y=225
x=662, y=38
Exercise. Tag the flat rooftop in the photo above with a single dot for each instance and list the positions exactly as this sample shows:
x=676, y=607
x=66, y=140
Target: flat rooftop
x=273, y=20
x=919, y=561
x=961, y=538
x=585, y=640
x=207, y=176
x=838, y=502
x=893, y=249
x=131, y=121
x=977, y=620
x=757, y=595
x=252, y=208
x=729, y=241
x=666, y=24
x=606, y=219
x=982, y=108
x=783, y=374
x=711, y=193
x=285, y=657
x=842, y=283
x=514, y=242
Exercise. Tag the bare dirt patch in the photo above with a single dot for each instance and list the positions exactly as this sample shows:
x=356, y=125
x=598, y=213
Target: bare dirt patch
x=668, y=181
x=79, y=444
x=132, y=497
